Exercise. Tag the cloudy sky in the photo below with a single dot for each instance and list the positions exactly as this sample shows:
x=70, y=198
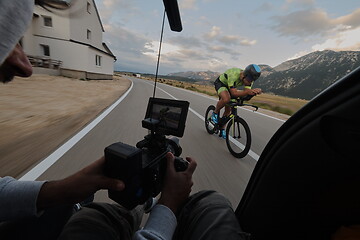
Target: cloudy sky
x=219, y=34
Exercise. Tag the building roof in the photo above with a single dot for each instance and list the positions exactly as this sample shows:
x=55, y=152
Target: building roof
x=98, y=15
x=107, y=52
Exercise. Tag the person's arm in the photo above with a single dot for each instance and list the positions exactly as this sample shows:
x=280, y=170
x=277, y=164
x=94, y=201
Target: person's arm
x=18, y=198
x=240, y=93
x=77, y=187
x=160, y=225
x=257, y=91
x=162, y=222
x=247, y=91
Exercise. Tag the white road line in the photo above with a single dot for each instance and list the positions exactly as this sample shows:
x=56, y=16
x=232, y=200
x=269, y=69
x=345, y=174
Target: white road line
x=39, y=169
x=214, y=99
x=251, y=153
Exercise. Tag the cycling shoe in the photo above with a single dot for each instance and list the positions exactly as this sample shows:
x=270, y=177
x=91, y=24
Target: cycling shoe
x=222, y=133
x=214, y=118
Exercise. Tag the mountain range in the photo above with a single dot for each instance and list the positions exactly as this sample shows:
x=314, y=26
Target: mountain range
x=304, y=77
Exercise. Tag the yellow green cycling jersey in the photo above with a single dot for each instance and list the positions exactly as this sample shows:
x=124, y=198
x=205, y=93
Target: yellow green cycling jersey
x=231, y=78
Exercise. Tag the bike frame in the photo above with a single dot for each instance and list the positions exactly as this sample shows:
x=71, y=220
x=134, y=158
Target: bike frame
x=234, y=106
x=234, y=114
x=232, y=136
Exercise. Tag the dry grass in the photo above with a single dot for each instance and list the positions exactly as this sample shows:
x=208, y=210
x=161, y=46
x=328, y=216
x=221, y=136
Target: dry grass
x=41, y=112
x=284, y=105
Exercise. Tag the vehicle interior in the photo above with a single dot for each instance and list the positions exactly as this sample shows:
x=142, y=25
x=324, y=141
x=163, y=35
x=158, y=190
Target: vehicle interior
x=306, y=184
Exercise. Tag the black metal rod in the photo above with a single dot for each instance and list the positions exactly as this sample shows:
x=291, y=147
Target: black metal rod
x=158, y=60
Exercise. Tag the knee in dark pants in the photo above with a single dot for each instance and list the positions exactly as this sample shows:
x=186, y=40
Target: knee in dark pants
x=102, y=221
x=208, y=215
x=45, y=227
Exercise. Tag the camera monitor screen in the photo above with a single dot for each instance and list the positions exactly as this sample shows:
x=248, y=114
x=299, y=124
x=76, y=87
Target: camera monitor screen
x=169, y=115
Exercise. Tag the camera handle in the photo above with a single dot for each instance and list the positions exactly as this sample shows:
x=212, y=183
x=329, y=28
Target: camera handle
x=180, y=164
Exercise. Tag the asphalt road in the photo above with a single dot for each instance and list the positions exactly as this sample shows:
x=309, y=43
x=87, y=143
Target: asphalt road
x=217, y=168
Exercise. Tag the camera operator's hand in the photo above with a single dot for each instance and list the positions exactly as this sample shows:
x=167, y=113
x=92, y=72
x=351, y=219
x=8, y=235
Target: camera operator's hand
x=177, y=185
x=78, y=186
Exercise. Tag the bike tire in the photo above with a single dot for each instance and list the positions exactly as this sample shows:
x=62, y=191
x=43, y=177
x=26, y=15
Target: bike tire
x=239, y=146
x=210, y=128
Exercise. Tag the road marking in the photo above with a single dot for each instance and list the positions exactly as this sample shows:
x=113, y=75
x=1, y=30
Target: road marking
x=39, y=169
x=251, y=153
x=214, y=99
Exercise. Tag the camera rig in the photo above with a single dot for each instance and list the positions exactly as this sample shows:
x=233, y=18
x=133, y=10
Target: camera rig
x=142, y=168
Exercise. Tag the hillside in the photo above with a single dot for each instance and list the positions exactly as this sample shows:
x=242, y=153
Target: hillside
x=307, y=76
x=304, y=77
x=205, y=77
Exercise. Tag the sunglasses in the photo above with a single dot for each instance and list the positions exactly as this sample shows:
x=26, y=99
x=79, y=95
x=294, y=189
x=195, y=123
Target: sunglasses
x=249, y=78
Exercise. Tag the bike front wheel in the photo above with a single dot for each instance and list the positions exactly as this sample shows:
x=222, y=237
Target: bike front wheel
x=210, y=127
x=238, y=137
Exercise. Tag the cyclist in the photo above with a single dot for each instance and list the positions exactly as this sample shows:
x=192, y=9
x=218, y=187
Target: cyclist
x=226, y=86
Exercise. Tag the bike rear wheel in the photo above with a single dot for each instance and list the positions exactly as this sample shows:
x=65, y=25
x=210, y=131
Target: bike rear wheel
x=238, y=137
x=210, y=127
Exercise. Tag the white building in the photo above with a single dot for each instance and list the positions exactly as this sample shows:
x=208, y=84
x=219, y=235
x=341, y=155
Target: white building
x=70, y=41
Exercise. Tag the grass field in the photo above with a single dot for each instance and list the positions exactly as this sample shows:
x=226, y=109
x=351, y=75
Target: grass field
x=271, y=102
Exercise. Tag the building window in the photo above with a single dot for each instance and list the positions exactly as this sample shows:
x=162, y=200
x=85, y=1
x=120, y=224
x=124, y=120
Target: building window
x=98, y=60
x=88, y=7
x=47, y=21
x=45, y=50
x=88, y=34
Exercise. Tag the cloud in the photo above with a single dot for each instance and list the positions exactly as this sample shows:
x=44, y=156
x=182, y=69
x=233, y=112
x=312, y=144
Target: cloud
x=246, y=42
x=230, y=39
x=187, y=4
x=344, y=41
x=222, y=49
x=264, y=7
x=125, y=40
x=184, y=59
x=109, y=8
x=216, y=65
x=184, y=55
x=215, y=32
x=351, y=20
x=313, y=22
x=131, y=49
x=302, y=3
x=186, y=42
x=303, y=23
x=236, y=40
x=203, y=20
x=217, y=48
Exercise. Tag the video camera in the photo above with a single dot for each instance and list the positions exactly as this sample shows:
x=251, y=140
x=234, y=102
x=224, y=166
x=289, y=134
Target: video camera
x=142, y=168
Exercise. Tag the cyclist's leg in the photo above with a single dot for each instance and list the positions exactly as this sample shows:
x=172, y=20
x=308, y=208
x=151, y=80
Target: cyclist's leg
x=222, y=127
x=223, y=93
x=224, y=96
x=226, y=112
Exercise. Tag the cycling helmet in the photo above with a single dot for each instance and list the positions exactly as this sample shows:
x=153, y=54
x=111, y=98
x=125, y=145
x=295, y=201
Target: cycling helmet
x=252, y=72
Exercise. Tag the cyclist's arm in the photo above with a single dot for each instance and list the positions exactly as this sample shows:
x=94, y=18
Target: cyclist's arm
x=257, y=91
x=235, y=93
